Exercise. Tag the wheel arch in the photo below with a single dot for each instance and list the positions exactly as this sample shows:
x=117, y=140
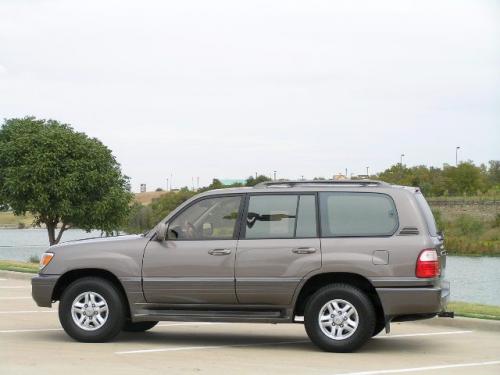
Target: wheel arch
x=70, y=276
x=318, y=281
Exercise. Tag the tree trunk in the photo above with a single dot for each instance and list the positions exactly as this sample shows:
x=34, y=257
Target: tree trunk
x=51, y=229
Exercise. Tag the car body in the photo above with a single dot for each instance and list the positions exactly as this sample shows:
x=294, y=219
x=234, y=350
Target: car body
x=261, y=254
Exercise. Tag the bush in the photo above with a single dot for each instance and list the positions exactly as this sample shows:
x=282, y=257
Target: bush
x=466, y=225
x=439, y=219
x=34, y=259
x=496, y=224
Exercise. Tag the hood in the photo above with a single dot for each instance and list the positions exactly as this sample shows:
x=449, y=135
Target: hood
x=94, y=240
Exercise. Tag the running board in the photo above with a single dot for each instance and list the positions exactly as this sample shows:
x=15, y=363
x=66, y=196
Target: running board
x=212, y=315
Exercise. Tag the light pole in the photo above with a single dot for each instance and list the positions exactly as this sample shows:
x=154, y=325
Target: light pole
x=401, y=162
x=274, y=175
x=167, y=185
x=456, y=155
x=367, y=174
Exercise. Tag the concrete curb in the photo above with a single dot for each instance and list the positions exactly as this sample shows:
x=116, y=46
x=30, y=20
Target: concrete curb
x=465, y=323
x=17, y=275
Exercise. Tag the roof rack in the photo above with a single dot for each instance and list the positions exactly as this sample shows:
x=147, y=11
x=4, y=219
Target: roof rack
x=321, y=182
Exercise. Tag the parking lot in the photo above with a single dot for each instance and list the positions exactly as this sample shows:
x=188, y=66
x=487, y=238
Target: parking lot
x=31, y=339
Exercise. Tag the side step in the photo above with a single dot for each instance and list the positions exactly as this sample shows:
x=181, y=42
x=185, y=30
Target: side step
x=212, y=315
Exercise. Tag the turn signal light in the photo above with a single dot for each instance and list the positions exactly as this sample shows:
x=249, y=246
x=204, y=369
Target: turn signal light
x=45, y=259
x=428, y=264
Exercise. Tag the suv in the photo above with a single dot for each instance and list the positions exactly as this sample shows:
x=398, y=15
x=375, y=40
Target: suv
x=347, y=256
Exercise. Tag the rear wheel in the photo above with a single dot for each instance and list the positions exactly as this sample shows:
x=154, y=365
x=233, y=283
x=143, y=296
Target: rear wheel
x=139, y=326
x=92, y=310
x=339, y=318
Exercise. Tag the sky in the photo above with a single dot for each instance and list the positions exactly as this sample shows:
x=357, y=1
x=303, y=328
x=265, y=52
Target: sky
x=228, y=89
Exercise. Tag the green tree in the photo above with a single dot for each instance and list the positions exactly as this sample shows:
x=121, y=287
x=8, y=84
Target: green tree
x=63, y=177
x=252, y=181
x=168, y=202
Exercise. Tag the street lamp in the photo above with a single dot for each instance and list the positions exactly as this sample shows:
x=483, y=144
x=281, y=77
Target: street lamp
x=401, y=162
x=274, y=175
x=456, y=155
x=367, y=173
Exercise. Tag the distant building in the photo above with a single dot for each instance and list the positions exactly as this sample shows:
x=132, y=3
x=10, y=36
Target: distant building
x=231, y=181
x=143, y=188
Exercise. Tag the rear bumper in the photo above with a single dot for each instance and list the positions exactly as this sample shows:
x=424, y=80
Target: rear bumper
x=413, y=301
x=42, y=287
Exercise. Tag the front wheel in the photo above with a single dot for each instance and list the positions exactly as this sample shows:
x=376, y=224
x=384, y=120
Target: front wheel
x=92, y=310
x=339, y=318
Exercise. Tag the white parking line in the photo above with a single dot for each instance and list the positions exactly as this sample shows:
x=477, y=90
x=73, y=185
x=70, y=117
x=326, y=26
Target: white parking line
x=174, y=349
x=423, y=334
x=60, y=329
x=30, y=330
x=27, y=311
x=15, y=298
x=15, y=287
x=181, y=348
x=427, y=368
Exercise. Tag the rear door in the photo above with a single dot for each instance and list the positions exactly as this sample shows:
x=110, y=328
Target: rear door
x=278, y=247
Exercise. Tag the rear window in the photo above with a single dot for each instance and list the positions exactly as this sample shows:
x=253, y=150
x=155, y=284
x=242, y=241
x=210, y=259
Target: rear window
x=426, y=211
x=349, y=214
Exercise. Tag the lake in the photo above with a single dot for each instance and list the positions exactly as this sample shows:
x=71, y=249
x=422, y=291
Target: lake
x=473, y=279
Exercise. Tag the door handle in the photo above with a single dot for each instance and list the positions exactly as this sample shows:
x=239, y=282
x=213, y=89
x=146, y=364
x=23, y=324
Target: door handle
x=304, y=250
x=219, y=251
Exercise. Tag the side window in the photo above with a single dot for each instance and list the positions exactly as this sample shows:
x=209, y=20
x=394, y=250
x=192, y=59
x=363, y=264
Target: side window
x=271, y=216
x=208, y=219
x=281, y=216
x=357, y=214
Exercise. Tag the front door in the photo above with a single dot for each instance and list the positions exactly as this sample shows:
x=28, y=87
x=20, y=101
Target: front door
x=195, y=265
x=278, y=247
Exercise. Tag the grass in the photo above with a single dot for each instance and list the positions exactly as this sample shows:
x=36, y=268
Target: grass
x=10, y=265
x=11, y=220
x=473, y=310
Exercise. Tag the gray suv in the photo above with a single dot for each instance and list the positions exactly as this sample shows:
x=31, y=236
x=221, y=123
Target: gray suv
x=346, y=257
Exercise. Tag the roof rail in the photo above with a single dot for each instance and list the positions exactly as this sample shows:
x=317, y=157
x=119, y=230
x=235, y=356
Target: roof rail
x=293, y=183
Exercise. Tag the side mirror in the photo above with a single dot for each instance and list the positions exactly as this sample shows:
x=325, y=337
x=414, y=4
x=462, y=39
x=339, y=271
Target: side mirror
x=161, y=232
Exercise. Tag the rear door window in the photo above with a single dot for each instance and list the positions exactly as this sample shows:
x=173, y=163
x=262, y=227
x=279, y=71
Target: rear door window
x=281, y=216
x=350, y=214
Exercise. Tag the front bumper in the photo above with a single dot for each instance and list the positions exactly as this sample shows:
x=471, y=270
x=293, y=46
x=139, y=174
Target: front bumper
x=42, y=288
x=410, y=301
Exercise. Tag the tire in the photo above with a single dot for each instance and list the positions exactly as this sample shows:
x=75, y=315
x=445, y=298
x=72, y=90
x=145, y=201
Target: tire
x=345, y=332
x=379, y=327
x=139, y=326
x=97, y=304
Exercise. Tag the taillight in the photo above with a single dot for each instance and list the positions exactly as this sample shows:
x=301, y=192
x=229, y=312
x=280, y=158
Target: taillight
x=428, y=264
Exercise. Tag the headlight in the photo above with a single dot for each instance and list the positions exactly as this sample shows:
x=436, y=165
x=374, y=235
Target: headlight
x=45, y=259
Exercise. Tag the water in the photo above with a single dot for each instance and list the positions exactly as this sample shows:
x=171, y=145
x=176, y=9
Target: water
x=473, y=279
x=20, y=244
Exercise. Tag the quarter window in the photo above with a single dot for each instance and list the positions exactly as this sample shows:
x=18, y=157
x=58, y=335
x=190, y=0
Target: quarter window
x=348, y=214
